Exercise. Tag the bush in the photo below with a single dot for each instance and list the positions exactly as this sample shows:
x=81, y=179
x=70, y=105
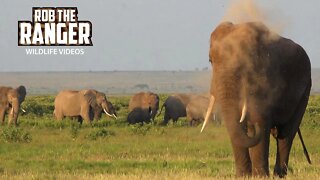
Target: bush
x=74, y=130
x=13, y=134
x=100, y=133
x=140, y=129
x=38, y=105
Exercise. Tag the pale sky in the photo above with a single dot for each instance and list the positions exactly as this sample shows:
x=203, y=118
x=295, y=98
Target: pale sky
x=131, y=35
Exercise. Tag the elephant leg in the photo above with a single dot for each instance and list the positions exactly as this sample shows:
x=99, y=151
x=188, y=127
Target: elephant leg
x=284, y=142
x=10, y=116
x=259, y=154
x=58, y=115
x=191, y=122
x=242, y=160
x=165, y=119
x=86, y=117
x=2, y=115
x=85, y=114
x=282, y=160
x=286, y=134
x=80, y=120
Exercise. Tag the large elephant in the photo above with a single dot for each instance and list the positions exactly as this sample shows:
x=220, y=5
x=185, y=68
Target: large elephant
x=197, y=108
x=175, y=107
x=144, y=100
x=10, y=101
x=84, y=104
x=139, y=115
x=263, y=80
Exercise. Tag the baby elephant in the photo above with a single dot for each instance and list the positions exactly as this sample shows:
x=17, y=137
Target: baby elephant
x=197, y=109
x=139, y=115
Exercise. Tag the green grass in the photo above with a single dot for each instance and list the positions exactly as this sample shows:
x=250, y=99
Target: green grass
x=112, y=149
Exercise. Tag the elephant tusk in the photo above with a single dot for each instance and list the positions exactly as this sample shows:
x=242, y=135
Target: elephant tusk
x=114, y=116
x=107, y=113
x=23, y=110
x=209, y=111
x=11, y=111
x=244, y=111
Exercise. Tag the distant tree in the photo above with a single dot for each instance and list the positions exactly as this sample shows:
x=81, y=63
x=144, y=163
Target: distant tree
x=205, y=69
x=141, y=86
x=190, y=88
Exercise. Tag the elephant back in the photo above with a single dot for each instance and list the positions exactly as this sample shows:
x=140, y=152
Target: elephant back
x=144, y=100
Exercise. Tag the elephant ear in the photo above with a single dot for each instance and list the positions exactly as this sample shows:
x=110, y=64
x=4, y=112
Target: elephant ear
x=10, y=96
x=22, y=92
x=90, y=96
x=216, y=37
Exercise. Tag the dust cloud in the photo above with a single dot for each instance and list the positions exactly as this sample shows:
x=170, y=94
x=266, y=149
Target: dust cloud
x=241, y=11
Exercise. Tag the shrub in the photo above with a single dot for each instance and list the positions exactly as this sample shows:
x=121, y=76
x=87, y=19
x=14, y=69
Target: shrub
x=140, y=129
x=100, y=133
x=13, y=134
x=74, y=130
x=38, y=105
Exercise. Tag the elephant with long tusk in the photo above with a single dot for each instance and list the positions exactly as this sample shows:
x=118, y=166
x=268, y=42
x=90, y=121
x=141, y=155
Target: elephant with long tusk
x=86, y=105
x=261, y=82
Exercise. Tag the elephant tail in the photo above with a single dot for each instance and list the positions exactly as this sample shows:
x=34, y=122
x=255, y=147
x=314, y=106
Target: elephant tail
x=304, y=147
x=164, y=104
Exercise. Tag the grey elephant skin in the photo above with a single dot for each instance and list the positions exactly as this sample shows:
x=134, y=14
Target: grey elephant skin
x=84, y=104
x=10, y=101
x=139, y=115
x=175, y=107
x=197, y=108
x=263, y=80
x=144, y=100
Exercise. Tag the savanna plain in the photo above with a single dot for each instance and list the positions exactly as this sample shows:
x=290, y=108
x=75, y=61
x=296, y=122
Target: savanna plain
x=43, y=148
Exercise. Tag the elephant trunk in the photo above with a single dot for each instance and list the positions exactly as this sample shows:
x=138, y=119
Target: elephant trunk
x=105, y=109
x=236, y=130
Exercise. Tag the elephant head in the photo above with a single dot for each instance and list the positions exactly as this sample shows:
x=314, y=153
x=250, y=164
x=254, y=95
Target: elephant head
x=226, y=86
x=15, y=97
x=153, y=102
x=106, y=105
x=98, y=100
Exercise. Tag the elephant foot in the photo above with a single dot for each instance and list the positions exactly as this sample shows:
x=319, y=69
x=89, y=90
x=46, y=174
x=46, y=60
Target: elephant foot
x=280, y=172
x=163, y=123
x=260, y=172
x=243, y=174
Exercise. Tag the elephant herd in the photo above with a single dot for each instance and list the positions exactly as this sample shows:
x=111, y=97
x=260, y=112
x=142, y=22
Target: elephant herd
x=88, y=105
x=260, y=82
